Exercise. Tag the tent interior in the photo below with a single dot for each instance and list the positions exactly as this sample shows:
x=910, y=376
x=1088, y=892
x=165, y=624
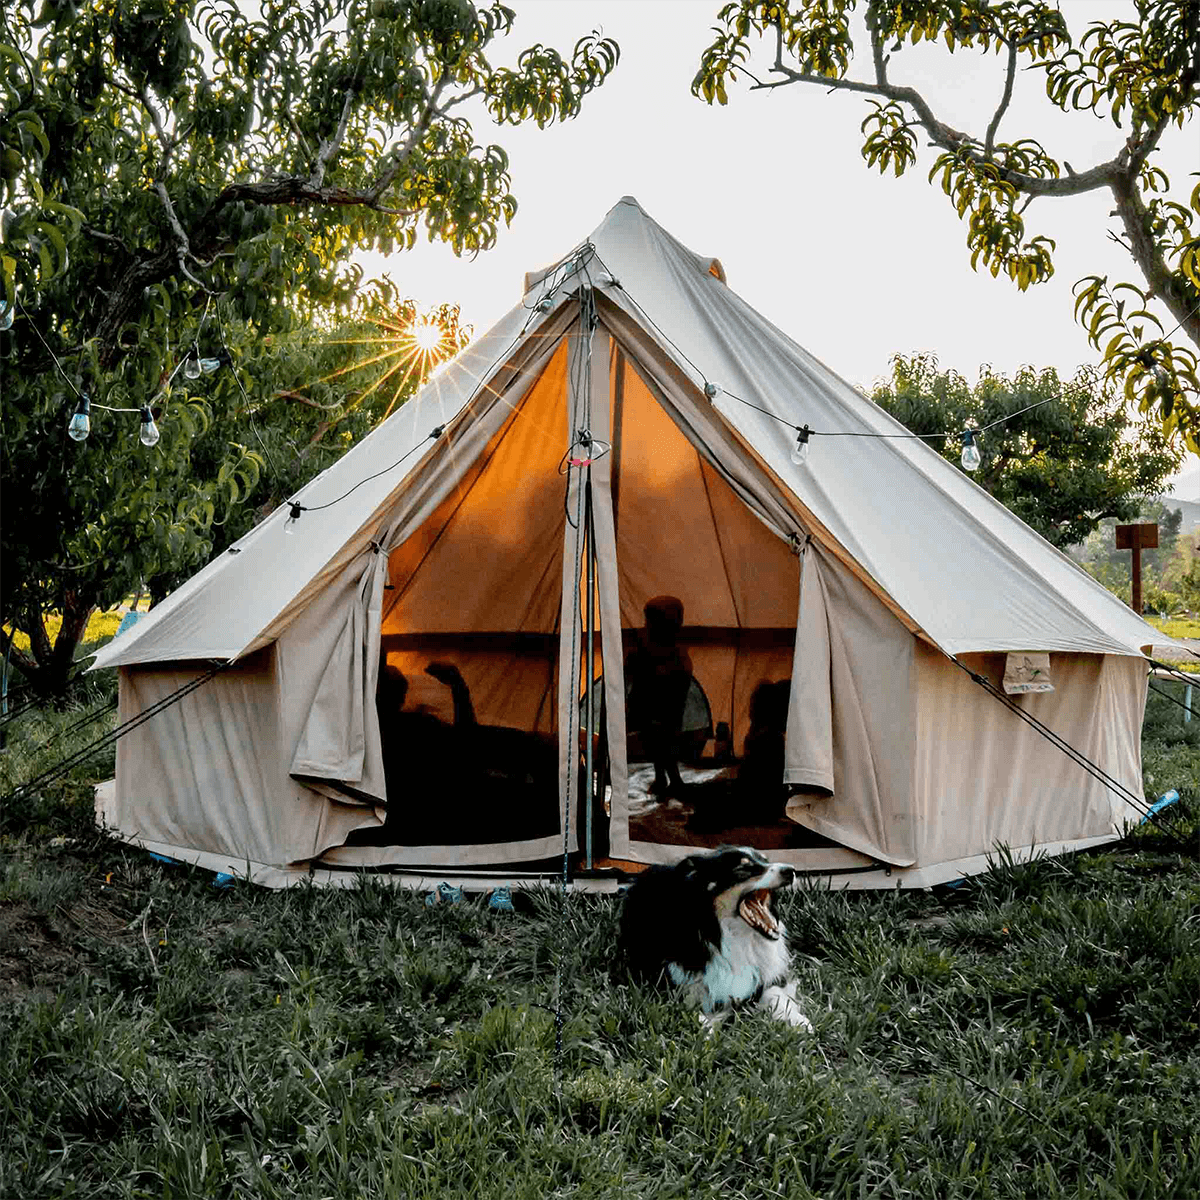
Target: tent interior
x=469, y=670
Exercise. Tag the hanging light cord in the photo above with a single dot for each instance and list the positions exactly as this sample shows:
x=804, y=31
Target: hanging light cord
x=534, y=311
x=71, y=383
x=433, y=435
x=238, y=380
x=791, y=424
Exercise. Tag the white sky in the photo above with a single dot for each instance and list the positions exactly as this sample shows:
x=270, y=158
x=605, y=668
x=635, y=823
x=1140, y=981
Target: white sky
x=854, y=266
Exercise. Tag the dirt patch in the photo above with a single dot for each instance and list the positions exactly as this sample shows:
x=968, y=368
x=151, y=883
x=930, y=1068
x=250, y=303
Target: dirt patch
x=34, y=961
x=40, y=953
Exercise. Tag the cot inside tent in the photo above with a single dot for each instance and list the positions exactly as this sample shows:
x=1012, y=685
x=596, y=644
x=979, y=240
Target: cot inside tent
x=420, y=677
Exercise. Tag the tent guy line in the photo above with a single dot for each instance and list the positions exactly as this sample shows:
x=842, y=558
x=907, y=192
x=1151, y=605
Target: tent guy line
x=1180, y=703
x=73, y=760
x=1097, y=772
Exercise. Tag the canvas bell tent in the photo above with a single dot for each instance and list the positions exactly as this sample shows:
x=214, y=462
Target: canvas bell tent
x=400, y=659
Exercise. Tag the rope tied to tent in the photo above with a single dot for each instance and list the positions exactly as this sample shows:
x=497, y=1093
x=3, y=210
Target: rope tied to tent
x=80, y=756
x=1138, y=803
x=1176, y=676
x=583, y=451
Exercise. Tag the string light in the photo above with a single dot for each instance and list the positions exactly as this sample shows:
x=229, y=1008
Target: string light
x=800, y=449
x=6, y=315
x=194, y=366
x=296, y=509
x=80, y=425
x=1162, y=377
x=970, y=458
x=970, y=455
x=149, y=434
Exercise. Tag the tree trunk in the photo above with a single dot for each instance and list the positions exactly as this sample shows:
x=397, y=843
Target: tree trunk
x=48, y=668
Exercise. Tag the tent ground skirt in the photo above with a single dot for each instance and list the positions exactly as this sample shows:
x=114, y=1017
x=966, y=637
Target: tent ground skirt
x=608, y=877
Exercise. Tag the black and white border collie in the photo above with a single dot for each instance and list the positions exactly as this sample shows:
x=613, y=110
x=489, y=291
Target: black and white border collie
x=710, y=923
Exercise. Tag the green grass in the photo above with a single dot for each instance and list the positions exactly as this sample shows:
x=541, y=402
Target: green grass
x=1180, y=627
x=1031, y=1033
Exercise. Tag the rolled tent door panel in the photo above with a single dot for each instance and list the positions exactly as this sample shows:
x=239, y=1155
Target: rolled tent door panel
x=808, y=753
x=871, y=709
x=341, y=722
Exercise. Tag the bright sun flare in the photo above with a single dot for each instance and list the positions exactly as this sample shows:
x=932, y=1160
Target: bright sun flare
x=427, y=335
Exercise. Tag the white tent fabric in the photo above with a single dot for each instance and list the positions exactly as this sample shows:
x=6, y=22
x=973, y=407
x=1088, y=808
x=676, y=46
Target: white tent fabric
x=931, y=539
x=865, y=575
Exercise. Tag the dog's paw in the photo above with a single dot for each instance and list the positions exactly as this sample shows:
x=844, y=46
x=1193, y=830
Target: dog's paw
x=781, y=1003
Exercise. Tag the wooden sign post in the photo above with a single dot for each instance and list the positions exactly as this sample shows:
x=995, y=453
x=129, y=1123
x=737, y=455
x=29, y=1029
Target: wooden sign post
x=1137, y=538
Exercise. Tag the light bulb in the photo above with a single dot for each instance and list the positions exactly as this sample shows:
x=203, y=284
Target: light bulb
x=149, y=435
x=712, y=390
x=6, y=315
x=191, y=367
x=80, y=425
x=209, y=365
x=1162, y=378
x=971, y=458
x=545, y=304
x=289, y=526
x=800, y=449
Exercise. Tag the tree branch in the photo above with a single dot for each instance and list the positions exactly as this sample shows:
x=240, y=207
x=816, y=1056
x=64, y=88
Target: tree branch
x=878, y=57
x=100, y=235
x=954, y=140
x=384, y=181
x=989, y=142
x=1148, y=256
x=168, y=144
x=183, y=245
x=308, y=150
x=303, y=399
x=329, y=147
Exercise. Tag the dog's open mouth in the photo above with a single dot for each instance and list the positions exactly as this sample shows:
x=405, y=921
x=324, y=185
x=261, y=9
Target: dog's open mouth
x=755, y=909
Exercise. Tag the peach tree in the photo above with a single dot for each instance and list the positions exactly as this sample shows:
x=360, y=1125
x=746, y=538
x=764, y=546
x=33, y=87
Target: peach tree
x=191, y=178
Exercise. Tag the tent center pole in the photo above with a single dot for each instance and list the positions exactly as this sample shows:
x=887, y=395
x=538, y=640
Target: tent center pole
x=591, y=643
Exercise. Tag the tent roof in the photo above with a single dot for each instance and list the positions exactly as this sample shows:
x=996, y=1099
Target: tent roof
x=968, y=572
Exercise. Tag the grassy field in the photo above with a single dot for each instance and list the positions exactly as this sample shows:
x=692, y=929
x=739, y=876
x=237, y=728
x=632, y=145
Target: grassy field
x=1032, y=1033
x=1180, y=627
